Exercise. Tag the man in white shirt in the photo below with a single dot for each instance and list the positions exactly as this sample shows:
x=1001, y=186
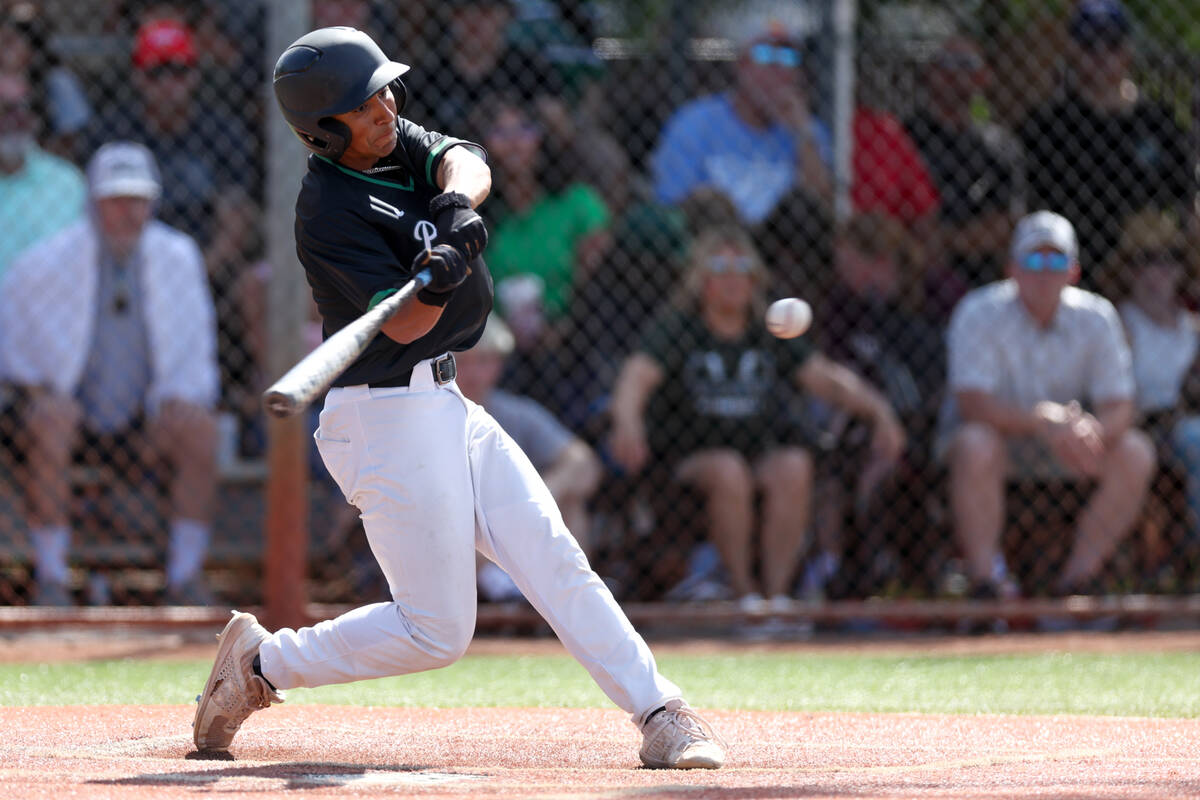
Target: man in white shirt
x=1042, y=387
x=108, y=329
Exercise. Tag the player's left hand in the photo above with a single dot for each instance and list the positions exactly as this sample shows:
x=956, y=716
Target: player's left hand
x=457, y=223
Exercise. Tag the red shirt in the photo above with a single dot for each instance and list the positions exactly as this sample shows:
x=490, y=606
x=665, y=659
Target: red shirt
x=889, y=175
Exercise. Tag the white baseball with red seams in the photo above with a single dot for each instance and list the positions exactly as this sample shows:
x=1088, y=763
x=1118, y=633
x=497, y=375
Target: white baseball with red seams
x=789, y=317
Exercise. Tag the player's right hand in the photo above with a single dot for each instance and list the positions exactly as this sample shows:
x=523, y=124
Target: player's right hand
x=447, y=270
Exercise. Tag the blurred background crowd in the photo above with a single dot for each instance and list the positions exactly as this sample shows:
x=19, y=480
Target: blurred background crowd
x=980, y=408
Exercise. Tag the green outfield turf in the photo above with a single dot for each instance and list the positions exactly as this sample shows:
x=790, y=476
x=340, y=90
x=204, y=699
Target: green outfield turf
x=1151, y=684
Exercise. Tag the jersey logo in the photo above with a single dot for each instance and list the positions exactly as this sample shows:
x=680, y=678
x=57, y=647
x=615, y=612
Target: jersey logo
x=384, y=208
x=425, y=231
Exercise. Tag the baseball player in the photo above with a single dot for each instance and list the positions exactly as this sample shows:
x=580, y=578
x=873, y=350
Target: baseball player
x=432, y=474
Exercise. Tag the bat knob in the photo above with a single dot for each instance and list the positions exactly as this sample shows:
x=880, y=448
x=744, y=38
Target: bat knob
x=279, y=404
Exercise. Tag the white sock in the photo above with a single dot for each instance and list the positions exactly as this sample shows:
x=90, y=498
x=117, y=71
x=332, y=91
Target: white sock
x=187, y=551
x=50, y=545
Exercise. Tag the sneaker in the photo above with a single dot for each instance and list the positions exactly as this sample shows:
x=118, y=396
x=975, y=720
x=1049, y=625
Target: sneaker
x=233, y=691
x=752, y=603
x=678, y=738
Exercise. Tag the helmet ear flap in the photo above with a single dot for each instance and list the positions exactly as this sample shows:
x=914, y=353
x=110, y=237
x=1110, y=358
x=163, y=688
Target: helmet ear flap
x=400, y=93
x=333, y=144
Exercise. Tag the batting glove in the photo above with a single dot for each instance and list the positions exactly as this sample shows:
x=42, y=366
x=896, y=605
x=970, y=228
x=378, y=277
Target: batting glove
x=447, y=270
x=458, y=224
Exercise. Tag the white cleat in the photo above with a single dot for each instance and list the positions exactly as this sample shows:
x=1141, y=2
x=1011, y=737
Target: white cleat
x=679, y=738
x=233, y=691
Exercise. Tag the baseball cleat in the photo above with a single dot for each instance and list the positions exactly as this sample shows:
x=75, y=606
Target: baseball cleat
x=679, y=738
x=233, y=691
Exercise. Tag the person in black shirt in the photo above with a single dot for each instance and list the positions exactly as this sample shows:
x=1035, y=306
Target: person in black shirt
x=1105, y=151
x=433, y=475
x=974, y=164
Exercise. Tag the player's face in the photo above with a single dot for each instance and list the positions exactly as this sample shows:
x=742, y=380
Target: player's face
x=372, y=130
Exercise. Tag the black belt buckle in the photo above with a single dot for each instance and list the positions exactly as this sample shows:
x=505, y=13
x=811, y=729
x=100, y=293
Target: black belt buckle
x=444, y=369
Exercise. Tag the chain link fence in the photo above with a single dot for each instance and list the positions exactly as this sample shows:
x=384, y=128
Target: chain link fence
x=662, y=171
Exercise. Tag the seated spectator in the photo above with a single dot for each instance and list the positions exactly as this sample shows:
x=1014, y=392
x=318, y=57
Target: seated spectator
x=1164, y=338
x=1105, y=150
x=549, y=234
x=756, y=142
x=888, y=175
x=474, y=59
x=109, y=332
x=1043, y=390
x=698, y=397
x=568, y=466
x=200, y=144
x=39, y=193
x=974, y=165
x=61, y=105
x=873, y=322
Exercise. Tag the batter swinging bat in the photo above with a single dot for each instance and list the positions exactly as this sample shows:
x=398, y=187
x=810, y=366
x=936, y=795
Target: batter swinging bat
x=312, y=375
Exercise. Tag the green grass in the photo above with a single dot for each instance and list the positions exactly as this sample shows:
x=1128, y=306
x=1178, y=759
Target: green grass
x=1149, y=684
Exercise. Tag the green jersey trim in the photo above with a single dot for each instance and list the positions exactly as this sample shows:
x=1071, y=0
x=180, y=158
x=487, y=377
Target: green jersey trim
x=356, y=174
x=379, y=297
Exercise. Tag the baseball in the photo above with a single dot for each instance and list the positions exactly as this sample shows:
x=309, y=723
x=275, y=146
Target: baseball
x=789, y=317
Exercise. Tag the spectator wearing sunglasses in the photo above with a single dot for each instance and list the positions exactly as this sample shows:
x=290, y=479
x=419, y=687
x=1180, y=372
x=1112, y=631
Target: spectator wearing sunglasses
x=755, y=142
x=1105, y=151
x=1164, y=337
x=698, y=402
x=1042, y=397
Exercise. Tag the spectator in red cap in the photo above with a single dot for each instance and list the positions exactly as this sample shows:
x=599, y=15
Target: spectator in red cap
x=200, y=144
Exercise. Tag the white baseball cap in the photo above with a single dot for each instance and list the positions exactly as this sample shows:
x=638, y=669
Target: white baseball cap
x=124, y=169
x=1045, y=229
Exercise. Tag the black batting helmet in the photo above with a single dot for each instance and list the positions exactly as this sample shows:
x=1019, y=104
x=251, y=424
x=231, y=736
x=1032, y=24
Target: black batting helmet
x=331, y=71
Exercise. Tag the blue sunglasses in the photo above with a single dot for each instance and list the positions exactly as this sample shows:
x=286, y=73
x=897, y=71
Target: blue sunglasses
x=1054, y=262
x=766, y=54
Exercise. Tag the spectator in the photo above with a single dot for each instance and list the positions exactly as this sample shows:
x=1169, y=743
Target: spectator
x=872, y=322
x=756, y=142
x=974, y=164
x=109, y=332
x=1105, y=151
x=475, y=60
x=1164, y=338
x=566, y=463
x=888, y=174
x=39, y=193
x=60, y=104
x=201, y=148
x=1043, y=389
x=548, y=236
x=698, y=397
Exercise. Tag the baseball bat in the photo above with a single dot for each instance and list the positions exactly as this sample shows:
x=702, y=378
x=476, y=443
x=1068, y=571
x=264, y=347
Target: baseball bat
x=312, y=375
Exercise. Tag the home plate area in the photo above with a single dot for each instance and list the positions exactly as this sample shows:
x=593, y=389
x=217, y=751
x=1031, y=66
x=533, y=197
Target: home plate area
x=146, y=753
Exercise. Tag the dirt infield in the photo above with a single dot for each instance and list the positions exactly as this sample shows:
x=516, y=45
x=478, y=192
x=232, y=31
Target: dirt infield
x=136, y=752
x=324, y=751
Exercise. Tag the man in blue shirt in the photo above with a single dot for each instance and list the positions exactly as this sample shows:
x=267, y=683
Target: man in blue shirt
x=755, y=142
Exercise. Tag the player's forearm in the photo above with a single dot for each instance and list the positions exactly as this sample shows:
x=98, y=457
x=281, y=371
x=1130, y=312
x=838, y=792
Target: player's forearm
x=413, y=322
x=464, y=172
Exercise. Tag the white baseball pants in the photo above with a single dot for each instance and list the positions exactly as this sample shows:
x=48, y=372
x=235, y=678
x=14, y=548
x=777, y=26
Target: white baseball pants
x=435, y=478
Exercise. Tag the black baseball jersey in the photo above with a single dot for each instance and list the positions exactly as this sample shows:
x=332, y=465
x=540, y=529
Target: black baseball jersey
x=357, y=234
